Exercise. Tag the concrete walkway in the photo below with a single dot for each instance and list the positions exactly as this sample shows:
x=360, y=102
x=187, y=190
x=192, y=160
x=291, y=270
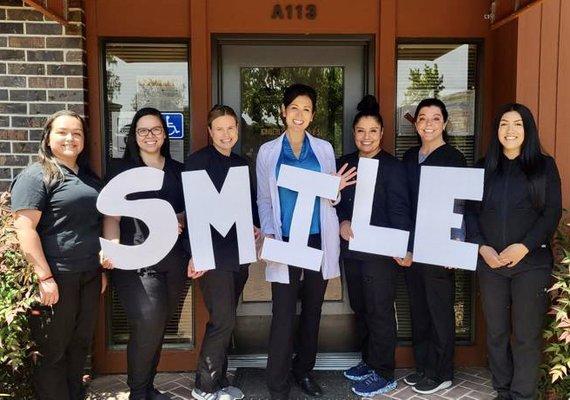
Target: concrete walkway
x=469, y=384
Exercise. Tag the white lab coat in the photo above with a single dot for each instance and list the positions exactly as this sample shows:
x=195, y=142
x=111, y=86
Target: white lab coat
x=270, y=211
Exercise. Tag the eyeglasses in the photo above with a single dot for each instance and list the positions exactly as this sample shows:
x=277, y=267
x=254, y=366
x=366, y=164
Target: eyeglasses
x=144, y=132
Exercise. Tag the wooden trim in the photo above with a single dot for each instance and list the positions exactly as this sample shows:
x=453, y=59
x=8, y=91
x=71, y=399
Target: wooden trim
x=514, y=15
x=49, y=12
x=386, y=70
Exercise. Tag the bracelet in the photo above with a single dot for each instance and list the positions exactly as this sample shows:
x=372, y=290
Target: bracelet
x=45, y=279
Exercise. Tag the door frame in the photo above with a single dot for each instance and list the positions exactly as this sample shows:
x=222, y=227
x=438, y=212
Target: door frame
x=219, y=40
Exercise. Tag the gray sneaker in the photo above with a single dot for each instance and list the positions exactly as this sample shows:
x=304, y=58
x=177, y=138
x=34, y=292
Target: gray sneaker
x=234, y=392
x=201, y=395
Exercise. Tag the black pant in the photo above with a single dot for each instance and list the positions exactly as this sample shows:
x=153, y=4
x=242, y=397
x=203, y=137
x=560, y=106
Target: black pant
x=221, y=291
x=432, y=299
x=63, y=335
x=149, y=297
x=309, y=287
x=520, y=300
x=372, y=292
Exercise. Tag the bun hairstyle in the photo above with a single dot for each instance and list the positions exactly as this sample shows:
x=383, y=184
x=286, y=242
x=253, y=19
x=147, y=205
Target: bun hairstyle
x=368, y=107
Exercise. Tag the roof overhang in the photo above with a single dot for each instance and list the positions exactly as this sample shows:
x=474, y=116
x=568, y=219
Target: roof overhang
x=505, y=11
x=53, y=9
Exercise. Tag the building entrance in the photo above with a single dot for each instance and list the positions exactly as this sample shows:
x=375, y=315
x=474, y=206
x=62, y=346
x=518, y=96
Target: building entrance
x=252, y=80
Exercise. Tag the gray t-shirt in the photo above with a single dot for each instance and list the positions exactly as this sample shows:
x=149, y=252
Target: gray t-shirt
x=70, y=225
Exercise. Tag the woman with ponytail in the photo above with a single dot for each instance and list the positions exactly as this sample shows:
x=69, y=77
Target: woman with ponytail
x=371, y=279
x=513, y=226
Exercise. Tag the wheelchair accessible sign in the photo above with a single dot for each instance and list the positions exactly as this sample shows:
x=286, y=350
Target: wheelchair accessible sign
x=174, y=124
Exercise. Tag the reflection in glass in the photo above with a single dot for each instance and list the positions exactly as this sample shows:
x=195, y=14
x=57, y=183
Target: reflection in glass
x=444, y=71
x=261, y=96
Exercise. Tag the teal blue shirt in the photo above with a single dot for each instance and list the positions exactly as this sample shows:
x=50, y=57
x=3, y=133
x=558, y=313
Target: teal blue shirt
x=287, y=197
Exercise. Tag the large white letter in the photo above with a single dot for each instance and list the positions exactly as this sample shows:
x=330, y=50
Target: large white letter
x=439, y=187
x=157, y=214
x=368, y=238
x=206, y=206
x=309, y=185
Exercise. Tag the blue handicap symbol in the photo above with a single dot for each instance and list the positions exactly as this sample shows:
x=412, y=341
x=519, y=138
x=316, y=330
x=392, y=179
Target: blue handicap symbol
x=174, y=124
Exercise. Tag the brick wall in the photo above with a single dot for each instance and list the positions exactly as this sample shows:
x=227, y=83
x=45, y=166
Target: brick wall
x=42, y=70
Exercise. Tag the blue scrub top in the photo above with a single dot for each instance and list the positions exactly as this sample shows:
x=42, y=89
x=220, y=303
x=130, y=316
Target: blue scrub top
x=287, y=197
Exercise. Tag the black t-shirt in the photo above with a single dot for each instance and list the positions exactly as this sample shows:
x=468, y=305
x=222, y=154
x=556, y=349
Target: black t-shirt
x=217, y=165
x=134, y=231
x=70, y=225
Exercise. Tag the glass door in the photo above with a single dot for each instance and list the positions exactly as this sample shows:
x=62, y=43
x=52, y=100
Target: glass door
x=251, y=80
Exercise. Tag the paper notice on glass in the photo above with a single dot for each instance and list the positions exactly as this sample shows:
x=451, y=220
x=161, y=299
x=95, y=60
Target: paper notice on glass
x=439, y=188
x=309, y=185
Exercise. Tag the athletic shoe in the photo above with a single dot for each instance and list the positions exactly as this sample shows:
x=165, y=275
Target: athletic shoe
x=359, y=372
x=430, y=386
x=234, y=392
x=374, y=385
x=201, y=395
x=154, y=394
x=414, y=379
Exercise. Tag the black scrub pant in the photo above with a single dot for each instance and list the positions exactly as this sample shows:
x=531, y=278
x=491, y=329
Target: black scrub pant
x=285, y=338
x=514, y=304
x=221, y=291
x=63, y=335
x=371, y=288
x=149, y=297
x=431, y=290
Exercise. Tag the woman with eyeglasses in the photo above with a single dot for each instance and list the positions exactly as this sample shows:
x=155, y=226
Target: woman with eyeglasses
x=148, y=295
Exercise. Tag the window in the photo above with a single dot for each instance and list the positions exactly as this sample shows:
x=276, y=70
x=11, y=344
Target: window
x=138, y=75
x=141, y=75
x=447, y=71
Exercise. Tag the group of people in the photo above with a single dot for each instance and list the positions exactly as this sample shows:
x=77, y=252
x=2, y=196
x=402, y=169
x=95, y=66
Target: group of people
x=59, y=227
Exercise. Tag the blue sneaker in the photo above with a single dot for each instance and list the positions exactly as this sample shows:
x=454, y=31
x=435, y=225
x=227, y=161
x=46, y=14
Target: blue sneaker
x=374, y=385
x=359, y=372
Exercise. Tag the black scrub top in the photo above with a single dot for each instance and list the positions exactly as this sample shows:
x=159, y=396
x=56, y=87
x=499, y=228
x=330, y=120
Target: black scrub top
x=70, y=225
x=217, y=165
x=134, y=231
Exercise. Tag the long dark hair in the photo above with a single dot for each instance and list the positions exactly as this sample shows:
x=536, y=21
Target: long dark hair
x=429, y=102
x=368, y=107
x=531, y=159
x=51, y=169
x=132, y=152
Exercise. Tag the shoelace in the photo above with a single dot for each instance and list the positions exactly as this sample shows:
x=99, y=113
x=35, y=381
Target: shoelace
x=372, y=378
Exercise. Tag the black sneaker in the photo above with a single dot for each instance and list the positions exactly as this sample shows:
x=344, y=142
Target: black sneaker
x=414, y=379
x=431, y=385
